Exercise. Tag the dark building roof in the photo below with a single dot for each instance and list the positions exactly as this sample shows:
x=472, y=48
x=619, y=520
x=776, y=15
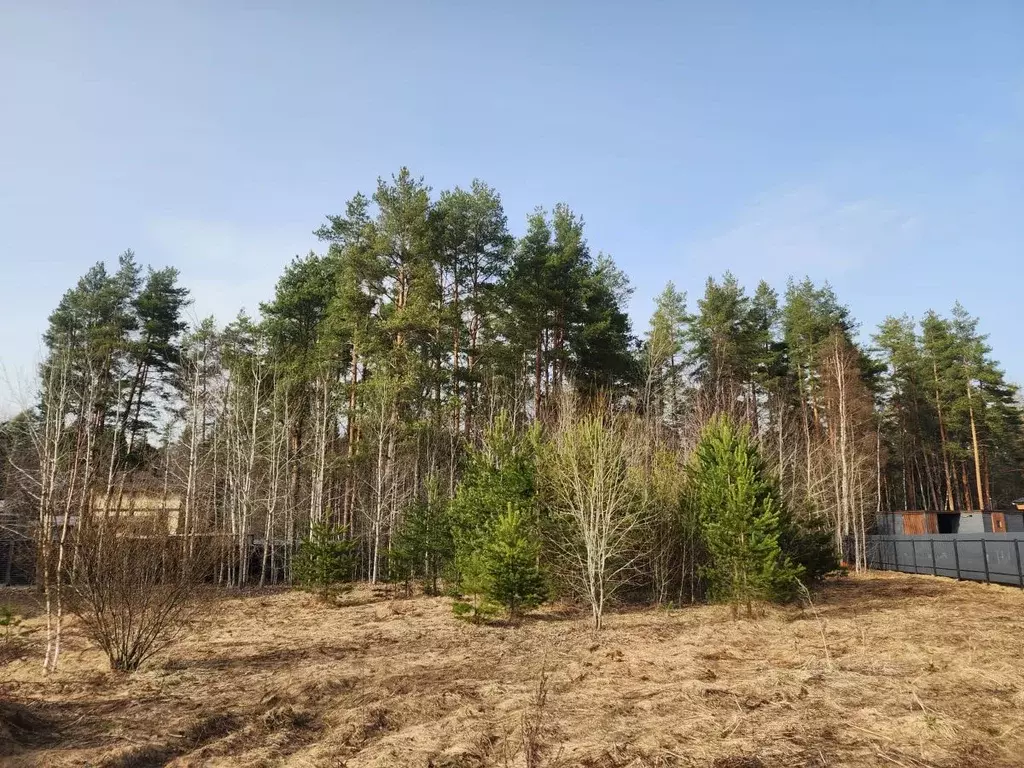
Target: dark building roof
x=931, y=512
x=1019, y=503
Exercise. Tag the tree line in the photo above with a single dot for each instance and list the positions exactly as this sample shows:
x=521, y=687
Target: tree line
x=362, y=393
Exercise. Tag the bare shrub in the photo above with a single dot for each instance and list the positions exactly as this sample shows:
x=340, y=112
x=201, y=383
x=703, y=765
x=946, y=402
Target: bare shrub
x=533, y=722
x=535, y=729
x=135, y=592
x=592, y=479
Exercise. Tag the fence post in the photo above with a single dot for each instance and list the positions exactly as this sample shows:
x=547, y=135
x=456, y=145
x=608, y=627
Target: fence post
x=896, y=554
x=956, y=557
x=984, y=557
x=1016, y=550
x=10, y=563
x=913, y=552
x=935, y=569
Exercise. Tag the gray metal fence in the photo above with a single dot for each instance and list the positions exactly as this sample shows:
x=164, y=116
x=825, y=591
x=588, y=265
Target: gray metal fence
x=992, y=557
x=17, y=561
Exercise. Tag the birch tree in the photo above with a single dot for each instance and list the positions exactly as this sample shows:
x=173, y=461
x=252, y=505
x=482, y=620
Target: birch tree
x=590, y=473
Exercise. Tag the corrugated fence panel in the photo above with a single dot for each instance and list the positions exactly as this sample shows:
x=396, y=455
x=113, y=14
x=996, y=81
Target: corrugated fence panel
x=17, y=561
x=994, y=558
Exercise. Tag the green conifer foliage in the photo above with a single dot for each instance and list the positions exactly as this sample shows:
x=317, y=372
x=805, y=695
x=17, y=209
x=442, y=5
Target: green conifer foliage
x=742, y=519
x=499, y=474
x=325, y=561
x=511, y=558
x=423, y=546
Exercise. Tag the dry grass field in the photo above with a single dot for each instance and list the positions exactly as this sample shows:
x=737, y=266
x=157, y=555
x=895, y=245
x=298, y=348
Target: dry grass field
x=890, y=670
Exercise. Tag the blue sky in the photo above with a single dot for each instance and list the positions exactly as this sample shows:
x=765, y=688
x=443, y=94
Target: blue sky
x=876, y=145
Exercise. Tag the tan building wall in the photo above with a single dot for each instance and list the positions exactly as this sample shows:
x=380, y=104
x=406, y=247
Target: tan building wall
x=149, y=509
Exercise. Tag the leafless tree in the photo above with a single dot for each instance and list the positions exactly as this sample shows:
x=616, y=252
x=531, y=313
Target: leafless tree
x=591, y=470
x=52, y=446
x=849, y=455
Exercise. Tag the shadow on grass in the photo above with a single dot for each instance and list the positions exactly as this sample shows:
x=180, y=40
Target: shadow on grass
x=26, y=602
x=557, y=614
x=25, y=726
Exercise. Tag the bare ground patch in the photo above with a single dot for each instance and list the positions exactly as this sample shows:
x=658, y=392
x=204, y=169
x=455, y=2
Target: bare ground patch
x=918, y=672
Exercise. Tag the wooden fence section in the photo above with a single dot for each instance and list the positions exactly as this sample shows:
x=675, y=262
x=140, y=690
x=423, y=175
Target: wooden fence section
x=994, y=557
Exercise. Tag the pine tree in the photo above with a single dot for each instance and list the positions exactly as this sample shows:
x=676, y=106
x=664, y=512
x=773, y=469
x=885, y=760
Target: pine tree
x=91, y=328
x=742, y=518
x=809, y=316
x=352, y=325
x=768, y=350
x=600, y=345
x=474, y=248
x=498, y=474
x=511, y=556
x=152, y=357
x=306, y=366
x=984, y=402
x=912, y=414
x=565, y=290
x=423, y=547
x=525, y=293
x=325, y=561
x=723, y=344
x=662, y=355
x=567, y=311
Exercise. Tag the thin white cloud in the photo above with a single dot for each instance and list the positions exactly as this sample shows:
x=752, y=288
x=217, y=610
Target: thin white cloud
x=806, y=230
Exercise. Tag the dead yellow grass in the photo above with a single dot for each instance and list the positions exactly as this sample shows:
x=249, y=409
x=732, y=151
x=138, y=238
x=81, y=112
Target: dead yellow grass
x=918, y=672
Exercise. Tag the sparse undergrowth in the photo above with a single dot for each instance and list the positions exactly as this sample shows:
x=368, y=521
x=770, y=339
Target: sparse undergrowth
x=885, y=670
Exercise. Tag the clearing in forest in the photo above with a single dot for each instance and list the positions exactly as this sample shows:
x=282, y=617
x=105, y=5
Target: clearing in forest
x=890, y=669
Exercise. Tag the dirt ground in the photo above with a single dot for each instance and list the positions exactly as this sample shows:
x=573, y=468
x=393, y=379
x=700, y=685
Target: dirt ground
x=919, y=671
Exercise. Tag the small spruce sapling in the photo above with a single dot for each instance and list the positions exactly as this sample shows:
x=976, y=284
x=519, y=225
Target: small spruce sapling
x=498, y=473
x=325, y=561
x=8, y=620
x=423, y=545
x=476, y=585
x=511, y=559
x=401, y=563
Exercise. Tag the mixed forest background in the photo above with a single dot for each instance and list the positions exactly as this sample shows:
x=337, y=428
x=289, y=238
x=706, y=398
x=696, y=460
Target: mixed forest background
x=425, y=344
